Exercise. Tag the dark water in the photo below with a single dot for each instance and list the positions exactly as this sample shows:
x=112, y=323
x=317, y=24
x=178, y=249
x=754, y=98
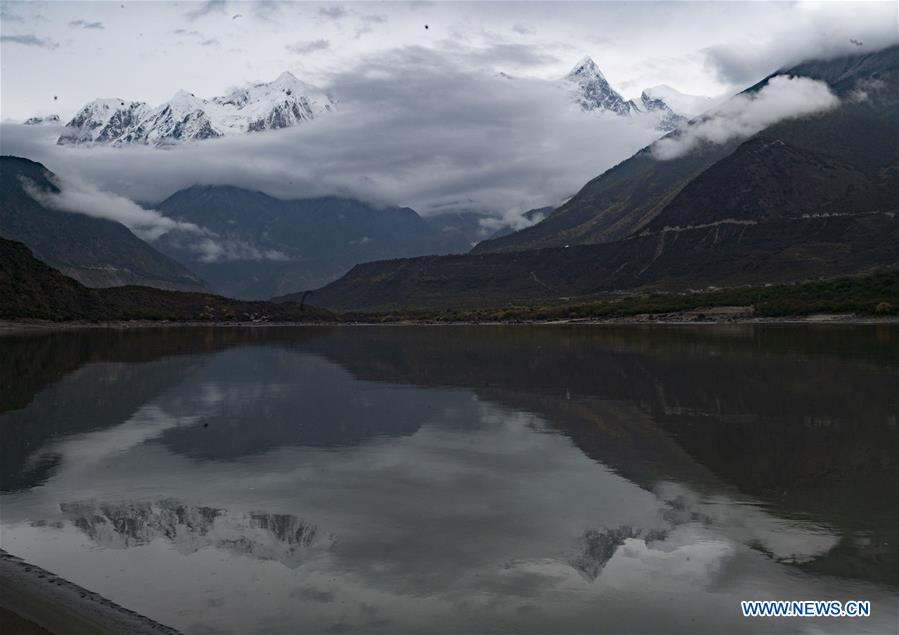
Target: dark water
x=459, y=479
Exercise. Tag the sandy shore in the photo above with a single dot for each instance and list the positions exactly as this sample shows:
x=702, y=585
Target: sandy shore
x=33, y=600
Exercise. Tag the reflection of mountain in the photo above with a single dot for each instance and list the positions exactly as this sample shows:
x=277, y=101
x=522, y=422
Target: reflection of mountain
x=598, y=548
x=800, y=419
x=259, y=399
x=47, y=378
x=264, y=536
x=777, y=414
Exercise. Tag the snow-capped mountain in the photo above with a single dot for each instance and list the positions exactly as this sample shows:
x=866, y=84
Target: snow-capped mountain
x=592, y=92
x=282, y=103
x=668, y=119
x=49, y=120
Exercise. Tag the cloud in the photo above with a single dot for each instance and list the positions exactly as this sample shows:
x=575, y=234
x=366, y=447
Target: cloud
x=304, y=48
x=809, y=31
x=414, y=127
x=335, y=12
x=7, y=16
x=29, y=40
x=206, y=8
x=507, y=54
x=80, y=197
x=783, y=97
x=83, y=24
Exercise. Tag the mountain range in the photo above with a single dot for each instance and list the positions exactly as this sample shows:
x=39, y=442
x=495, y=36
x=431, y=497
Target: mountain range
x=287, y=102
x=95, y=251
x=300, y=243
x=803, y=199
x=254, y=246
x=282, y=103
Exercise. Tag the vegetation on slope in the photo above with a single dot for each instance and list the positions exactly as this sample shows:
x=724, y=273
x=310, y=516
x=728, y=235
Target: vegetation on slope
x=871, y=295
x=30, y=289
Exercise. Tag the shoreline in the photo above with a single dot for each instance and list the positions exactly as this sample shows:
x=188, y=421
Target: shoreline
x=691, y=318
x=34, y=600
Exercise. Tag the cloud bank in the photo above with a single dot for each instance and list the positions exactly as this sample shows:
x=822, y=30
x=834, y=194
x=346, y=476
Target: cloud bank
x=414, y=128
x=77, y=196
x=744, y=115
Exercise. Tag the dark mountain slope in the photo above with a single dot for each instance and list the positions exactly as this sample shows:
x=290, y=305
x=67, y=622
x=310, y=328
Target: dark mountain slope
x=766, y=179
x=95, y=251
x=613, y=205
x=285, y=245
x=29, y=289
x=861, y=133
x=727, y=254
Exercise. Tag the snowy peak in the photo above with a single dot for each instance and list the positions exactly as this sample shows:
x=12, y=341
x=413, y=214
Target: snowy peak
x=585, y=70
x=668, y=119
x=282, y=103
x=591, y=90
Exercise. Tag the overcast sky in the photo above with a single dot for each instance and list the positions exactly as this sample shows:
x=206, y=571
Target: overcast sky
x=146, y=51
x=423, y=119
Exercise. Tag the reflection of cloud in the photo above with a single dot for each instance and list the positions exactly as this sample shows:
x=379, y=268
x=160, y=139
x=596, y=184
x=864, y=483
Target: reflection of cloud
x=472, y=518
x=784, y=540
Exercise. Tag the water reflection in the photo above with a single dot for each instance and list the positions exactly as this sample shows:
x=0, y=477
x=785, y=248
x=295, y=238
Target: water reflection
x=453, y=479
x=120, y=525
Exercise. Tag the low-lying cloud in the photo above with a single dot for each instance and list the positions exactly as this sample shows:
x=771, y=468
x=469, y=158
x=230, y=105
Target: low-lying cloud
x=79, y=197
x=744, y=115
x=414, y=128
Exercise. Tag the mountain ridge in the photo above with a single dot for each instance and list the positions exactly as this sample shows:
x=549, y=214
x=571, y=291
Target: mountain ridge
x=95, y=251
x=282, y=103
x=629, y=195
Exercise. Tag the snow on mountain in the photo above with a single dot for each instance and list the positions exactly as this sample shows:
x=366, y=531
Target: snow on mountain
x=49, y=120
x=282, y=103
x=668, y=119
x=592, y=91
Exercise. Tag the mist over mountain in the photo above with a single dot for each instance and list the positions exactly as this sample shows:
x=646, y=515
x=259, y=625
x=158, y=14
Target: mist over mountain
x=298, y=243
x=95, y=251
x=626, y=198
x=815, y=197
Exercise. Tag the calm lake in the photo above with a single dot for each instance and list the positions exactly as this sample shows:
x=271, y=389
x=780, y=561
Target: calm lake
x=549, y=479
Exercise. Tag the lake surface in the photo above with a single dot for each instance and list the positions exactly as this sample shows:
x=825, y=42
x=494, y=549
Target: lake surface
x=459, y=479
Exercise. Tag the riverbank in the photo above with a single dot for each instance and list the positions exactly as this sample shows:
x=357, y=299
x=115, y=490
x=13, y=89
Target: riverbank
x=35, y=601
x=710, y=316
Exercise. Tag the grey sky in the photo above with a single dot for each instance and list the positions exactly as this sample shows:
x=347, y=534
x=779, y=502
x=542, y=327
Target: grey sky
x=148, y=50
